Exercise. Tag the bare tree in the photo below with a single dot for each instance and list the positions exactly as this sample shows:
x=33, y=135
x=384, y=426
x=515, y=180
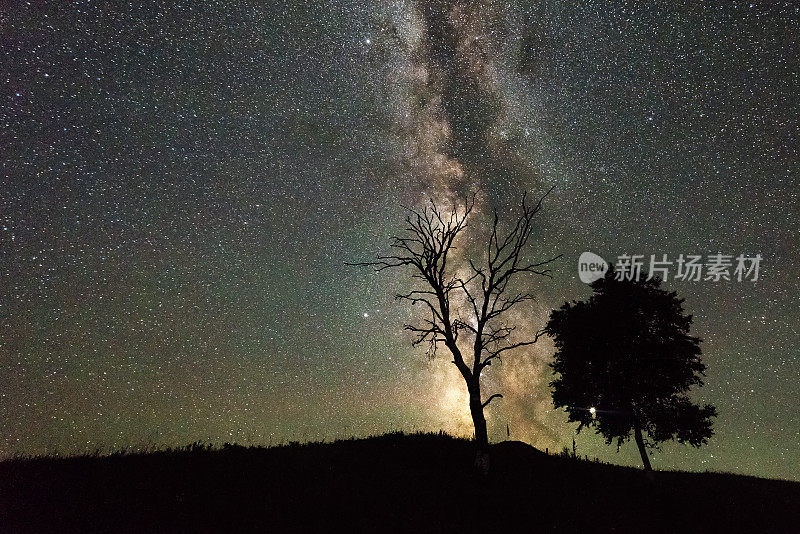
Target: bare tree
x=466, y=312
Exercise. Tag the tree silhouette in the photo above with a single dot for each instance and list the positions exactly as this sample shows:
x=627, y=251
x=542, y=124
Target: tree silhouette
x=625, y=362
x=466, y=312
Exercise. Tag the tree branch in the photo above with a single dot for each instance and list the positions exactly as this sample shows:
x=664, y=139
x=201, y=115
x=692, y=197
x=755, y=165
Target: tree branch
x=495, y=396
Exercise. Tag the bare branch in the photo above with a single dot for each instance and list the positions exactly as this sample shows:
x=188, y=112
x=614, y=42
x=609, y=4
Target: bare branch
x=495, y=396
x=495, y=354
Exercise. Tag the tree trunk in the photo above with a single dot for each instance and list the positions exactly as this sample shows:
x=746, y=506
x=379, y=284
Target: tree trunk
x=640, y=443
x=478, y=420
x=481, y=435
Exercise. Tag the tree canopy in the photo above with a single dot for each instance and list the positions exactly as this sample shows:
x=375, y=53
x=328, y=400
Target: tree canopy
x=625, y=362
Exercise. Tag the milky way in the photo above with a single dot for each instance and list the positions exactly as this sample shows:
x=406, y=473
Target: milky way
x=453, y=127
x=182, y=187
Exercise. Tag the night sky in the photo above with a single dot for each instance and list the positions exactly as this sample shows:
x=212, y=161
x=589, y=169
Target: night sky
x=182, y=186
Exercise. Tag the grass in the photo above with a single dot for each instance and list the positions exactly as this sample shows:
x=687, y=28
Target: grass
x=396, y=482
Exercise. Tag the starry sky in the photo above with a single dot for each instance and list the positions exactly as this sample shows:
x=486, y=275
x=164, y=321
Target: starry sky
x=182, y=185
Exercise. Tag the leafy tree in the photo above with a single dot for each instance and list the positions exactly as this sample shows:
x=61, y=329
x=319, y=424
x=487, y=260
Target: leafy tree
x=625, y=362
x=467, y=302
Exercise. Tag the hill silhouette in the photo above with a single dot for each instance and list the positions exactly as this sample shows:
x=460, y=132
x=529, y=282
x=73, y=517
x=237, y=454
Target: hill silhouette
x=395, y=482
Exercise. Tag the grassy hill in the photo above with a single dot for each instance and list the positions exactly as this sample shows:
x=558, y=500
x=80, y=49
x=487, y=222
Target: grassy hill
x=396, y=482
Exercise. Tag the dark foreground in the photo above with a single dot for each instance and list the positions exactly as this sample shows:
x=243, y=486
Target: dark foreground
x=416, y=483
